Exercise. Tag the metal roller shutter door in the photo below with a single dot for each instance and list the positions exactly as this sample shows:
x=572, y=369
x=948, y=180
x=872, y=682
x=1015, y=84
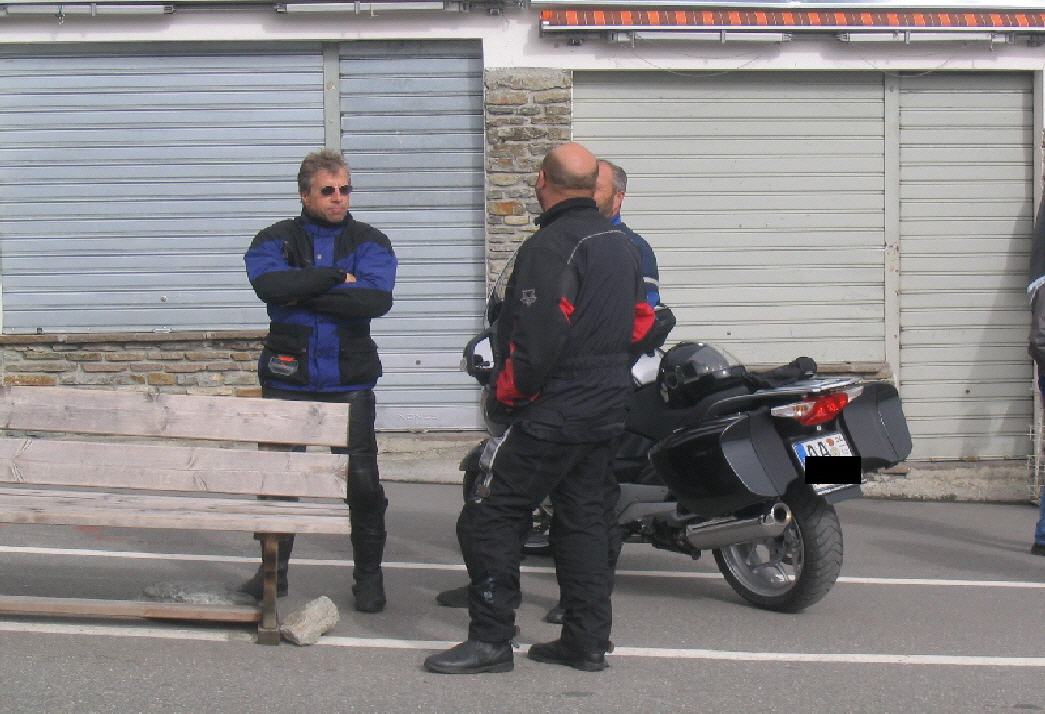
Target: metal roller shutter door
x=762, y=195
x=133, y=178
x=966, y=210
x=412, y=129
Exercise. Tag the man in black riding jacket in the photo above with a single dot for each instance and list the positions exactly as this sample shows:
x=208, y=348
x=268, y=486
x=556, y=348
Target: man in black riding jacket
x=610, y=189
x=323, y=276
x=573, y=310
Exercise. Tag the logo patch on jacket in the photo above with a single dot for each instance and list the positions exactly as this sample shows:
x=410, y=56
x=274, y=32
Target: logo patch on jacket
x=529, y=297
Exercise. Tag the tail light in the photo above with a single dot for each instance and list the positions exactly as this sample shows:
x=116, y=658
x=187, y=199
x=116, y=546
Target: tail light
x=817, y=410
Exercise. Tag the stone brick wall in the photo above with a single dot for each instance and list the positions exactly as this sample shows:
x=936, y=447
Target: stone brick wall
x=182, y=363
x=528, y=111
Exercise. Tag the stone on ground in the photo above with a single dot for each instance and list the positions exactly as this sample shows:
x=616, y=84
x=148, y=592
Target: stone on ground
x=311, y=622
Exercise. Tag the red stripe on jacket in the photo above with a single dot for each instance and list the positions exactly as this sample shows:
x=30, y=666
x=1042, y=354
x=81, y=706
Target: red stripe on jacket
x=643, y=321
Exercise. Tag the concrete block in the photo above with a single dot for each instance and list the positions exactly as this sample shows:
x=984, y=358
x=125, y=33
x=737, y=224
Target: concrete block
x=311, y=622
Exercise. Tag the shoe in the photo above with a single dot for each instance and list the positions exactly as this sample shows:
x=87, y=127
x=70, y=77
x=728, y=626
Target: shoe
x=473, y=657
x=1038, y=549
x=554, y=615
x=256, y=585
x=558, y=652
x=369, y=592
x=456, y=597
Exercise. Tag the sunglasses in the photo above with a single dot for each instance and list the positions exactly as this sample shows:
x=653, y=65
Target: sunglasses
x=329, y=190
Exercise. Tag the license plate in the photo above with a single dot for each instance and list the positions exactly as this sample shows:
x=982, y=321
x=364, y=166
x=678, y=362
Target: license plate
x=826, y=445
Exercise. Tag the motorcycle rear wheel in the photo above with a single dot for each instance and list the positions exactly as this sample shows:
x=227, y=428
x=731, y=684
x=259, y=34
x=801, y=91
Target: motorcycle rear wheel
x=794, y=570
x=538, y=543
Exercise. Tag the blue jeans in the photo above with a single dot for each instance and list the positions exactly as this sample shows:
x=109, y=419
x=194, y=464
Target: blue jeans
x=1039, y=530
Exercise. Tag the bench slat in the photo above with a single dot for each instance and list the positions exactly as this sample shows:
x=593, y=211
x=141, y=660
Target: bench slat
x=95, y=508
x=128, y=608
x=172, y=468
x=92, y=411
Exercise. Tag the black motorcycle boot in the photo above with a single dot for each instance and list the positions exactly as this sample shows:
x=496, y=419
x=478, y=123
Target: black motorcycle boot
x=559, y=652
x=455, y=597
x=367, y=550
x=555, y=614
x=255, y=586
x=473, y=657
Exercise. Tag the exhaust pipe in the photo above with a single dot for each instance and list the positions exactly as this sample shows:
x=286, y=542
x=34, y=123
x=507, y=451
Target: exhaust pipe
x=727, y=531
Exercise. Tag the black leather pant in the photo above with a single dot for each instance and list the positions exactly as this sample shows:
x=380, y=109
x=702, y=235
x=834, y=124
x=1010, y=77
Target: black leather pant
x=498, y=517
x=366, y=496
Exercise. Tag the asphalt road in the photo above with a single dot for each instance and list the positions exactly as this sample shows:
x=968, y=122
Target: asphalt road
x=939, y=609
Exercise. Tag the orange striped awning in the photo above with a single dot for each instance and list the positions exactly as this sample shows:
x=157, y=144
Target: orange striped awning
x=666, y=19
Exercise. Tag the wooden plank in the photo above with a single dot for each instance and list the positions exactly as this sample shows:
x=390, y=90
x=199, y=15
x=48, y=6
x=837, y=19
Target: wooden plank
x=172, y=468
x=128, y=608
x=92, y=411
x=23, y=505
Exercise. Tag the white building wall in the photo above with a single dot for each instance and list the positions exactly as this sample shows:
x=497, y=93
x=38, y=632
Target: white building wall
x=513, y=40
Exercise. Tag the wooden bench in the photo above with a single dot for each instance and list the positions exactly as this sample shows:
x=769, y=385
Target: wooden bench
x=143, y=466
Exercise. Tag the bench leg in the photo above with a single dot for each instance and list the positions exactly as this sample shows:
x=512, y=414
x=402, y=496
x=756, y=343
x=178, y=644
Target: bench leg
x=268, y=629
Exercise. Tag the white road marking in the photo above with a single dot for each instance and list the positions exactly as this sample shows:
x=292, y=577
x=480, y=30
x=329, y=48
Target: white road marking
x=210, y=635
x=85, y=552
x=166, y=633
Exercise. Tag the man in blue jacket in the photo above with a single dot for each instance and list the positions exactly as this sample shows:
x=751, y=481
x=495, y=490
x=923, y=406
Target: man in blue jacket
x=610, y=189
x=323, y=276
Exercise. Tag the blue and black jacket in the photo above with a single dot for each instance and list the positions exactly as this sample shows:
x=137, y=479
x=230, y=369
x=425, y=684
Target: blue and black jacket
x=319, y=334
x=650, y=273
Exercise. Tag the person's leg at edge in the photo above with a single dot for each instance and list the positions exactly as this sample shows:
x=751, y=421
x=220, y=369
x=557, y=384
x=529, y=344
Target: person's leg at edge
x=1038, y=548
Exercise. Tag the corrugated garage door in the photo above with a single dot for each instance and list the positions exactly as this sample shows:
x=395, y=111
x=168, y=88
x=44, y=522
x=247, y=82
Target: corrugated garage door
x=966, y=209
x=770, y=201
x=762, y=195
x=131, y=181
x=412, y=127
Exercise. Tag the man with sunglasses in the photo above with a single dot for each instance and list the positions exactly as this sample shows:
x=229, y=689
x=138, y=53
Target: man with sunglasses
x=323, y=276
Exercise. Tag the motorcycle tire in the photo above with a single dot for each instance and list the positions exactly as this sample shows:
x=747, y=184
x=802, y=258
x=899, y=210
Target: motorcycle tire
x=794, y=570
x=537, y=542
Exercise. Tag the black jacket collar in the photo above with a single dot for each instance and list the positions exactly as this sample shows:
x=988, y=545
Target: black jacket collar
x=570, y=204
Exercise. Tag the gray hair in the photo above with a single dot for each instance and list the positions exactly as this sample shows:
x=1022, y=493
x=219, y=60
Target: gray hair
x=327, y=160
x=620, y=178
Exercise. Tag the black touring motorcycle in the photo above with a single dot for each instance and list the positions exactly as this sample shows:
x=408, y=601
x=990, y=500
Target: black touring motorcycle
x=715, y=458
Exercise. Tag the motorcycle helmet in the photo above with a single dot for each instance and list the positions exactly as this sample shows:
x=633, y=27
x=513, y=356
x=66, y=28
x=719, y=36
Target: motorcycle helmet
x=691, y=371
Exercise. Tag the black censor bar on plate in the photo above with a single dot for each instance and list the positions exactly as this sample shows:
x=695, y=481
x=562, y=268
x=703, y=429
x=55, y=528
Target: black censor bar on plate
x=832, y=469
